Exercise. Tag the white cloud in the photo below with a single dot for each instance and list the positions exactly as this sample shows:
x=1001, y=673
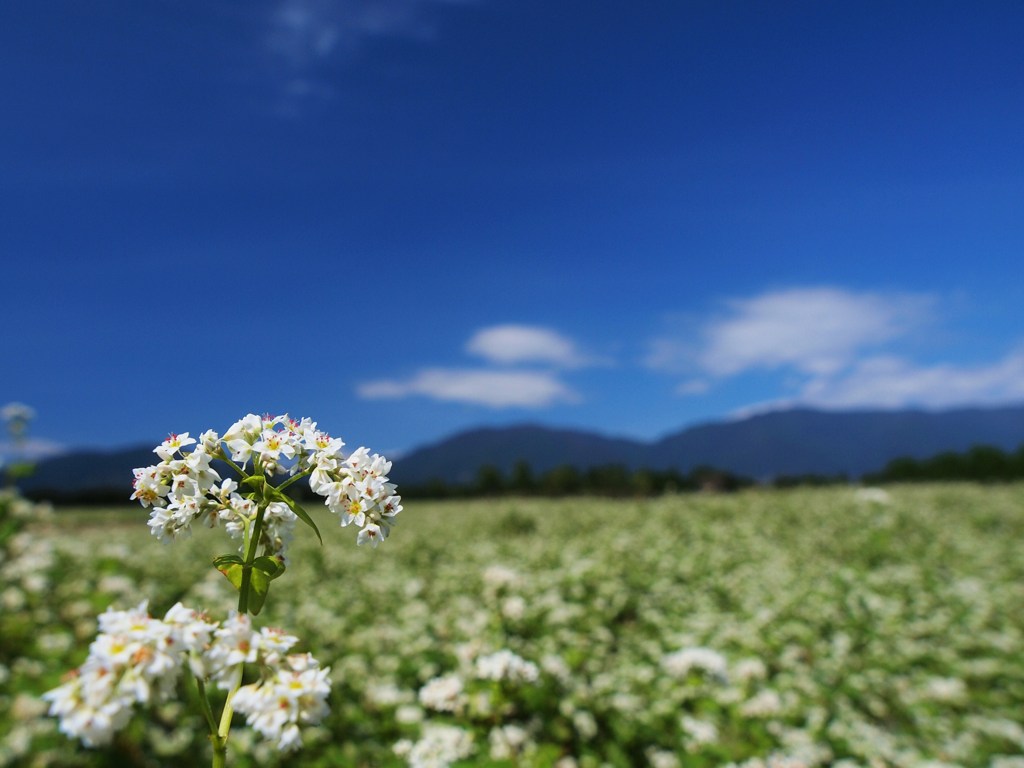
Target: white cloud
x=507, y=384
x=515, y=344
x=891, y=382
x=835, y=349
x=813, y=330
x=494, y=389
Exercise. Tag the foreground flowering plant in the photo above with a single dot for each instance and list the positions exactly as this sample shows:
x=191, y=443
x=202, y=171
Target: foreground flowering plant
x=138, y=659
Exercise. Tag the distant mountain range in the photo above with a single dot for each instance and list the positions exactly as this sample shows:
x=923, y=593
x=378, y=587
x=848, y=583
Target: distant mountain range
x=792, y=442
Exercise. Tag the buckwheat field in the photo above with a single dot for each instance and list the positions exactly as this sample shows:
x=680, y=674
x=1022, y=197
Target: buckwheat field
x=812, y=627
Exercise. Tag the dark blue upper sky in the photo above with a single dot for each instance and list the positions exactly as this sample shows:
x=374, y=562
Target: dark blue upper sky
x=406, y=217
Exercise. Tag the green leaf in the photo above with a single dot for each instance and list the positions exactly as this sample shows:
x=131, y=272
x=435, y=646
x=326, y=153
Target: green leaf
x=263, y=571
x=231, y=566
x=300, y=513
x=259, y=585
x=256, y=481
x=272, y=566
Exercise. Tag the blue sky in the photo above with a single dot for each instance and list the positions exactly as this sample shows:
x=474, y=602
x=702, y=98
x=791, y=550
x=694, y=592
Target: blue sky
x=404, y=218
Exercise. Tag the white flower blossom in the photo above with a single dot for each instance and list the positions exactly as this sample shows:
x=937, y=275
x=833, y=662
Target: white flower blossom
x=137, y=659
x=184, y=488
x=172, y=445
x=294, y=693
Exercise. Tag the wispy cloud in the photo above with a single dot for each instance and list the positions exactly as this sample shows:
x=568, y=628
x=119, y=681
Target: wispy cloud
x=894, y=382
x=693, y=387
x=510, y=385
x=303, y=35
x=835, y=349
x=494, y=389
x=813, y=331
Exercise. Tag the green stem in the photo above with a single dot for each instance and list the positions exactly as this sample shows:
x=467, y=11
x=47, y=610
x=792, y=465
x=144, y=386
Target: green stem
x=292, y=479
x=230, y=463
x=220, y=745
x=220, y=739
x=204, y=704
x=250, y=556
x=222, y=456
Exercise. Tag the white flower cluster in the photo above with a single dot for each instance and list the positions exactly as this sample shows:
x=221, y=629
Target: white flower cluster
x=459, y=695
x=508, y=741
x=448, y=693
x=294, y=693
x=438, y=747
x=873, y=496
x=137, y=659
x=506, y=665
x=134, y=659
x=184, y=488
x=443, y=694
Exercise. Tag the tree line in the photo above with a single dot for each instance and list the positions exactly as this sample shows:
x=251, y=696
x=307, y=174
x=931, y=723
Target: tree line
x=981, y=463
x=568, y=480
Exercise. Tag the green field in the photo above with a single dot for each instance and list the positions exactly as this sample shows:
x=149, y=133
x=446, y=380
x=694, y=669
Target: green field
x=782, y=628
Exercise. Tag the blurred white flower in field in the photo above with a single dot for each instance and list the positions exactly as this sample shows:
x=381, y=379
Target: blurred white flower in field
x=498, y=576
x=438, y=747
x=408, y=714
x=946, y=689
x=661, y=758
x=749, y=669
x=680, y=663
x=387, y=694
x=508, y=741
x=15, y=410
x=513, y=608
x=584, y=723
x=873, y=496
x=765, y=703
x=700, y=732
x=17, y=416
x=443, y=694
x=506, y=665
